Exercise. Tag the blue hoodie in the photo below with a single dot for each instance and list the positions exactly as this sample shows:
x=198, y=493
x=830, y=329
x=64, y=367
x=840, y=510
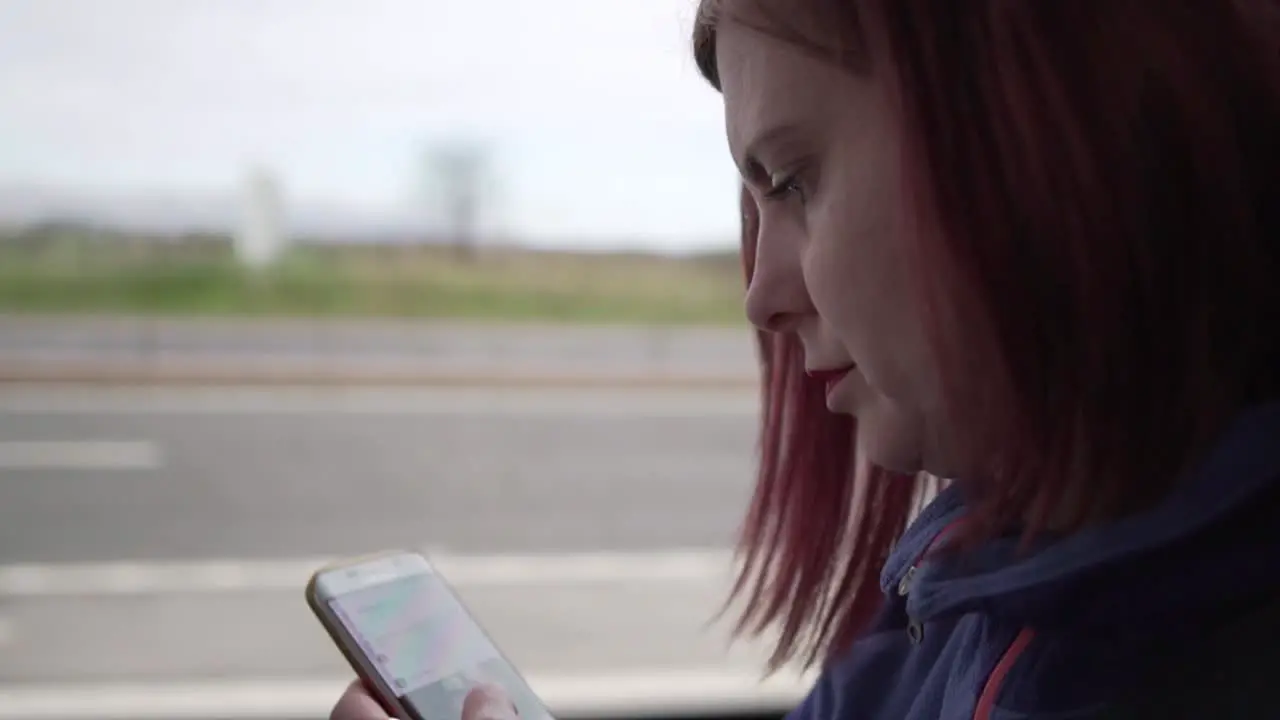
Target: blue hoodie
x=1057, y=632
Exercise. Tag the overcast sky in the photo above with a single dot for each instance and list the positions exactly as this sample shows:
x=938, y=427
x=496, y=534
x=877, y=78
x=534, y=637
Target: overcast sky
x=598, y=123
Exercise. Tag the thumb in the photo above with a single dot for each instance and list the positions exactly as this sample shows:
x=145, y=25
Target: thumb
x=357, y=703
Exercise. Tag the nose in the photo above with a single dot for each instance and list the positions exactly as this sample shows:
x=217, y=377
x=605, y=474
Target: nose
x=777, y=297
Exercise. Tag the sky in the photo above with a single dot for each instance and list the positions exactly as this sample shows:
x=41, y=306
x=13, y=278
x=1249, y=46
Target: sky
x=597, y=127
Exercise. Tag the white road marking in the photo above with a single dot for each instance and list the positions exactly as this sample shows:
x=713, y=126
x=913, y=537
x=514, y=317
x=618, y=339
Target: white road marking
x=34, y=580
x=634, y=694
x=79, y=455
x=563, y=402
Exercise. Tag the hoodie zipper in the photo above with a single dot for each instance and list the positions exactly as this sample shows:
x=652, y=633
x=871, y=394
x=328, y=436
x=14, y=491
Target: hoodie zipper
x=915, y=628
x=915, y=631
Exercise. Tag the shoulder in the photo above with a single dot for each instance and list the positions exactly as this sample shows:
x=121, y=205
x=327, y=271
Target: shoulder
x=1231, y=675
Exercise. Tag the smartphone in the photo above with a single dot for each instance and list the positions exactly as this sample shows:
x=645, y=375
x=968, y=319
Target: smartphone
x=408, y=636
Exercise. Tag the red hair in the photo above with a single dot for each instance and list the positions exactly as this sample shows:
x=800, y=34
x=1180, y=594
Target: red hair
x=1095, y=223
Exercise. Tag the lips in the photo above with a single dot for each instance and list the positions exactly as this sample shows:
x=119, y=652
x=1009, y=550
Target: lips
x=830, y=376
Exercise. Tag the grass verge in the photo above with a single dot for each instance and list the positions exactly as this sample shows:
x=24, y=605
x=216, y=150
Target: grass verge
x=422, y=282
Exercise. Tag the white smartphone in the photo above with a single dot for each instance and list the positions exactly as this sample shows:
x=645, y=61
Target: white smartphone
x=408, y=636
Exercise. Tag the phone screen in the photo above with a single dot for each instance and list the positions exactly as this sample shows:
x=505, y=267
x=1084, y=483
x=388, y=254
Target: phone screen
x=424, y=644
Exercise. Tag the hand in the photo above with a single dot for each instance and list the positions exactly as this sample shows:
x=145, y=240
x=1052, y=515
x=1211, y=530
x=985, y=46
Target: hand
x=488, y=701
x=358, y=704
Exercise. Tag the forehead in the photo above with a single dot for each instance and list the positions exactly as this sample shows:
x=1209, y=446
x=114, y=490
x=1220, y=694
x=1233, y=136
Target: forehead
x=768, y=82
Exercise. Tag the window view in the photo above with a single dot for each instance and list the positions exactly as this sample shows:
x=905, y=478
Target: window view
x=639, y=359
x=286, y=282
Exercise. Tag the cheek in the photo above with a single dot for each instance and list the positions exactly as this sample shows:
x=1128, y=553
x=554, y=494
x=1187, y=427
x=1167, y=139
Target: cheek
x=857, y=277
x=840, y=270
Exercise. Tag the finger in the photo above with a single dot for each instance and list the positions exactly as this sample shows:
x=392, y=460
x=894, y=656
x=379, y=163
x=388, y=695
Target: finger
x=357, y=704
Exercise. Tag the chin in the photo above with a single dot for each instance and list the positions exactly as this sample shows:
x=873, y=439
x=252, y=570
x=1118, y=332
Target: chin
x=897, y=457
x=890, y=441
x=898, y=468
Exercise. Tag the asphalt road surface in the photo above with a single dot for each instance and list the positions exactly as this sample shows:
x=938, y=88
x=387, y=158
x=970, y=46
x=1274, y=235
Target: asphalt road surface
x=384, y=346
x=154, y=542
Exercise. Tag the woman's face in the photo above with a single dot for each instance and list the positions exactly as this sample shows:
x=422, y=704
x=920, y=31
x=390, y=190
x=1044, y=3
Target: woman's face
x=818, y=148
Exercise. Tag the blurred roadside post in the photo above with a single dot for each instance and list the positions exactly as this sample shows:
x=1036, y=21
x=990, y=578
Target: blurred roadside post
x=459, y=172
x=260, y=240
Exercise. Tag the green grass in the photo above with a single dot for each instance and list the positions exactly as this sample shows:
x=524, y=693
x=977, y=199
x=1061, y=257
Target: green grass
x=64, y=276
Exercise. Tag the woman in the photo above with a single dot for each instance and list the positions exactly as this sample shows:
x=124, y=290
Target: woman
x=1033, y=246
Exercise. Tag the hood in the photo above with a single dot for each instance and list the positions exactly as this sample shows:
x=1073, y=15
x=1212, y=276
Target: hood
x=1211, y=542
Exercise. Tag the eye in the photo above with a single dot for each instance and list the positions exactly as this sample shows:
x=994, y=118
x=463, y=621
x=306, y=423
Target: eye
x=785, y=186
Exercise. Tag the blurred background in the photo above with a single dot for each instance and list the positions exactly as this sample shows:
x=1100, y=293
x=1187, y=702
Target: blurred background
x=289, y=280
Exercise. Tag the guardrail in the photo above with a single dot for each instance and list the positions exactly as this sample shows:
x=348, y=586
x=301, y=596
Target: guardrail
x=383, y=351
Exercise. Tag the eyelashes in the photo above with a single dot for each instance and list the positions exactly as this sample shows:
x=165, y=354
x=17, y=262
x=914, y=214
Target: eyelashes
x=786, y=187
x=795, y=181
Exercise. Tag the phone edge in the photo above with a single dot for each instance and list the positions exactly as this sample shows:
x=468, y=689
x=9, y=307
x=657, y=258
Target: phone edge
x=365, y=672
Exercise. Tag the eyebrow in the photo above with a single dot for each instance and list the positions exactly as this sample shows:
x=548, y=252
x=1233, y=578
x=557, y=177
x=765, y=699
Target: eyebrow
x=751, y=168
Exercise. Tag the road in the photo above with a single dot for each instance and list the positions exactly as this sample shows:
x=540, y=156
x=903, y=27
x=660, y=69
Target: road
x=380, y=348
x=154, y=541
